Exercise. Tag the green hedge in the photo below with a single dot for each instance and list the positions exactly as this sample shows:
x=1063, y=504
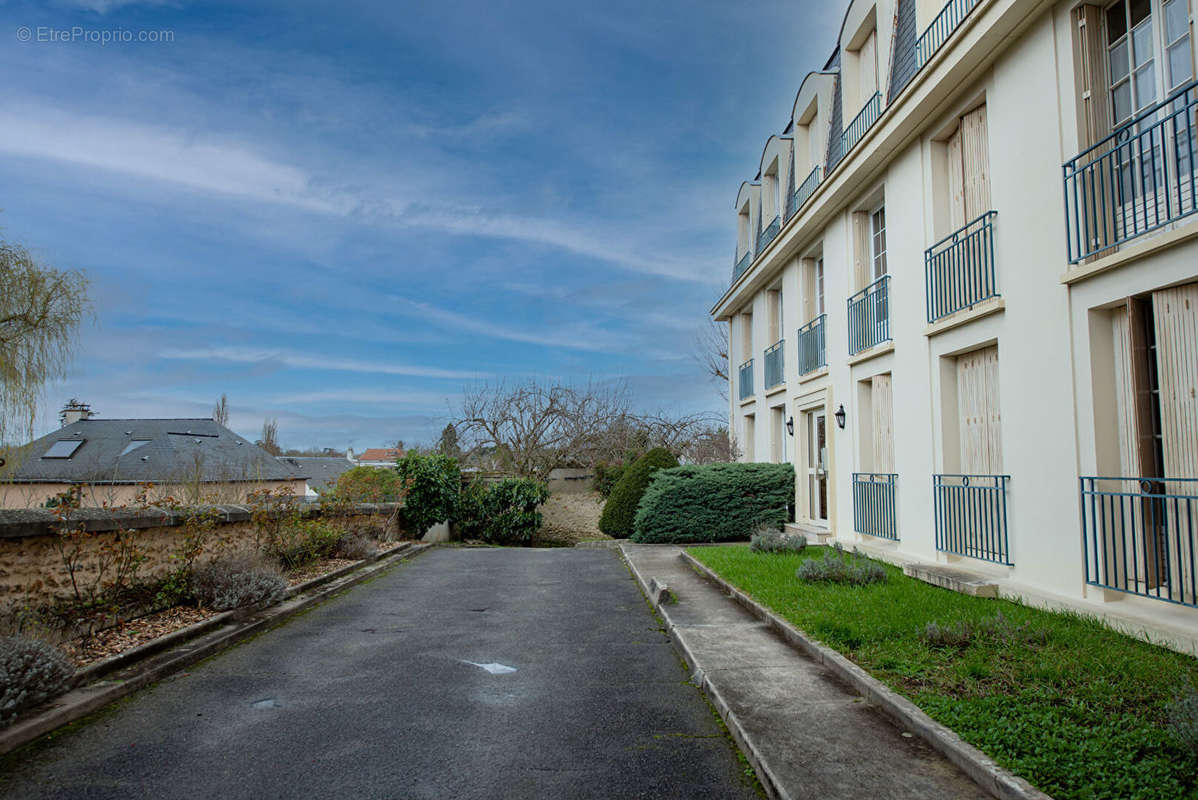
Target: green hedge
x=620, y=509
x=713, y=502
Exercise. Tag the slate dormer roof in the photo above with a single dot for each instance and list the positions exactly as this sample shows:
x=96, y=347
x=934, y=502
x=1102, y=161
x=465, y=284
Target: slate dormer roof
x=145, y=450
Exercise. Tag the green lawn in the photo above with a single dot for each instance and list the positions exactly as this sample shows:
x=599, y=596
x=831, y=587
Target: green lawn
x=1074, y=707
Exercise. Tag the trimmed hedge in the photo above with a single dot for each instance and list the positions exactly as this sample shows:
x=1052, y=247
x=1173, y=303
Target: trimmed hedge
x=620, y=509
x=714, y=502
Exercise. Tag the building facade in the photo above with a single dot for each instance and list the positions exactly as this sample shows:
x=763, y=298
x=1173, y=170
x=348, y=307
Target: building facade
x=964, y=300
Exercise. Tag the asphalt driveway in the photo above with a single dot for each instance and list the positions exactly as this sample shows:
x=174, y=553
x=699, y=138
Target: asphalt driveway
x=466, y=673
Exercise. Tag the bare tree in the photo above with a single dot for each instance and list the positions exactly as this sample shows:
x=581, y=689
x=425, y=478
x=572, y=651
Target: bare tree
x=711, y=353
x=270, y=437
x=220, y=412
x=41, y=309
x=533, y=428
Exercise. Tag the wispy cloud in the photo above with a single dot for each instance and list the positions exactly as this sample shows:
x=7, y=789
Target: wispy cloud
x=283, y=358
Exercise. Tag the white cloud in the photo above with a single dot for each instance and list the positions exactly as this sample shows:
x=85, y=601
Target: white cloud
x=250, y=355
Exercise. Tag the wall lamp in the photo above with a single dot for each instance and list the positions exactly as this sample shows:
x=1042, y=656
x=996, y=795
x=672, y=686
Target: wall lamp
x=790, y=430
x=840, y=417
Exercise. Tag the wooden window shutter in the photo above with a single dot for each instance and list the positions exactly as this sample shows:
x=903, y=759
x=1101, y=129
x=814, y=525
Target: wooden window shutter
x=868, y=64
x=861, y=250
x=975, y=157
x=882, y=402
x=1089, y=76
x=980, y=419
x=1125, y=396
x=1175, y=316
x=956, y=181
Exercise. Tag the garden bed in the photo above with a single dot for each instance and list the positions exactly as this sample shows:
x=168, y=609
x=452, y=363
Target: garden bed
x=1076, y=708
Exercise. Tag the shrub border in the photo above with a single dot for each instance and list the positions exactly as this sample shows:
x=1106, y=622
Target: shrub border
x=148, y=663
x=997, y=780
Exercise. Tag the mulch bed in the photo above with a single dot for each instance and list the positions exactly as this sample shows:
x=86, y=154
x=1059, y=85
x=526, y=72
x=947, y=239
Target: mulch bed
x=127, y=635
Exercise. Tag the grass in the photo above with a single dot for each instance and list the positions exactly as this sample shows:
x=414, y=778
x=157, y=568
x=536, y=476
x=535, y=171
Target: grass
x=1071, y=705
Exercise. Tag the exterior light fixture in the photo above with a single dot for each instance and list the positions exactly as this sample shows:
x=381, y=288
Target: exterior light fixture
x=790, y=427
x=840, y=417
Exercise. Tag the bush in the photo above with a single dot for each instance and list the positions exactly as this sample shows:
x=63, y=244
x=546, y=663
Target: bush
x=237, y=581
x=31, y=672
x=1183, y=719
x=368, y=485
x=606, y=478
x=998, y=629
x=713, y=502
x=510, y=511
x=302, y=541
x=470, y=520
x=356, y=546
x=838, y=566
x=619, y=512
x=432, y=486
x=771, y=540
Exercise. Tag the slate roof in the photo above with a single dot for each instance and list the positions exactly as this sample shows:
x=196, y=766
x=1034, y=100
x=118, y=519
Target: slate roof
x=174, y=450
x=321, y=472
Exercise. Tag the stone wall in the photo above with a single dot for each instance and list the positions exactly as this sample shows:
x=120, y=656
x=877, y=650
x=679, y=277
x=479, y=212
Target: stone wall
x=32, y=566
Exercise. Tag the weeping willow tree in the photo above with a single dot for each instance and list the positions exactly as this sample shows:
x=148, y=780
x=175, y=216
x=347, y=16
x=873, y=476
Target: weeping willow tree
x=41, y=309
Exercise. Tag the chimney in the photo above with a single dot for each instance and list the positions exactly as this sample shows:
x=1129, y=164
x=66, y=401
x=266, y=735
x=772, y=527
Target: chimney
x=74, y=411
x=349, y=454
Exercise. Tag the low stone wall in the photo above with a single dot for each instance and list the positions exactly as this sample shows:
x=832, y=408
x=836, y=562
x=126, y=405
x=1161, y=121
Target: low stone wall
x=32, y=543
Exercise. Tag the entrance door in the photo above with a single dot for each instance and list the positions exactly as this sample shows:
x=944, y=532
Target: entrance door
x=817, y=466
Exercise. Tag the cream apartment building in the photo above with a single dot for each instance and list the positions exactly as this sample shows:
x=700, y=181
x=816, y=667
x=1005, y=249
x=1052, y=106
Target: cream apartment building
x=964, y=301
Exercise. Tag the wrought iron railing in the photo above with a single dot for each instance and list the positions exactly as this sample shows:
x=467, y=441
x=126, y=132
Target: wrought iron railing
x=741, y=265
x=1140, y=536
x=768, y=234
x=971, y=516
x=942, y=27
x=812, y=352
x=803, y=193
x=960, y=268
x=869, y=316
x=744, y=380
x=1140, y=178
x=873, y=504
x=774, y=358
x=864, y=120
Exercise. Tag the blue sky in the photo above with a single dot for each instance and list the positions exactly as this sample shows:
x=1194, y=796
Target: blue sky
x=342, y=214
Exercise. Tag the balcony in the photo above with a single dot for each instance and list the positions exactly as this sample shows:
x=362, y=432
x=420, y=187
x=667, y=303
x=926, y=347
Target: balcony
x=971, y=516
x=873, y=504
x=869, y=316
x=774, y=360
x=767, y=235
x=744, y=380
x=812, y=353
x=803, y=193
x=1138, y=536
x=740, y=266
x=1138, y=179
x=936, y=34
x=861, y=123
x=960, y=268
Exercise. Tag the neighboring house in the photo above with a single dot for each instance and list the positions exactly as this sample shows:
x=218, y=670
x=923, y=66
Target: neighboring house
x=950, y=334
x=322, y=471
x=112, y=459
x=376, y=457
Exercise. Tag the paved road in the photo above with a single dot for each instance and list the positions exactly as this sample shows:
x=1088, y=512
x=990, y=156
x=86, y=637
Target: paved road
x=374, y=694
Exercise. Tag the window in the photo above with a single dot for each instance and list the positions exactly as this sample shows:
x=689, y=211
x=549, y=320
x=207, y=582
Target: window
x=1177, y=44
x=63, y=449
x=877, y=237
x=1130, y=56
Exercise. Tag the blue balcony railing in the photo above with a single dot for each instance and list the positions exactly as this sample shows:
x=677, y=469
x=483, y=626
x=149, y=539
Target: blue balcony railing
x=774, y=360
x=1140, y=536
x=741, y=265
x=744, y=380
x=768, y=234
x=873, y=504
x=869, y=316
x=1138, y=179
x=971, y=516
x=942, y=27
x=812, y=353
x=960, y=268
x=803, y=193
x=864, y=120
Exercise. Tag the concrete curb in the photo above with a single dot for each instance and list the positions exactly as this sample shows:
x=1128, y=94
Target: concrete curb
x=769, y=781
x=155, y=660
x=993, y=778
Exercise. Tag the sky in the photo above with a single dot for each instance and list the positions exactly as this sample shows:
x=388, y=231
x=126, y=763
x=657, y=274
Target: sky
x=345, y=214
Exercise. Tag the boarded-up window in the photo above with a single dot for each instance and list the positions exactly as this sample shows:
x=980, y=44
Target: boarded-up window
x=978, y=406
x=882, y=403
x=968, y=169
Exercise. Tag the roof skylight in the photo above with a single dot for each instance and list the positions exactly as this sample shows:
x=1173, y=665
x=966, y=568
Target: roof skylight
x=133, y=445
x=64, y=448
